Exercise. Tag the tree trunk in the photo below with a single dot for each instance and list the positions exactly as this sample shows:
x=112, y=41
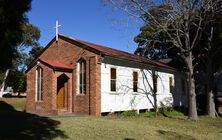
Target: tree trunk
x=3, y=83
x=192, y=107
x=210, y=94
x=154, y=77
x=210, y=79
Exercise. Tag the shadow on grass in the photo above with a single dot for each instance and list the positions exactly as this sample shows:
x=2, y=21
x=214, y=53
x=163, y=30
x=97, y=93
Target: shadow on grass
x=13, y=96
x=173, y=135
x=16, y=125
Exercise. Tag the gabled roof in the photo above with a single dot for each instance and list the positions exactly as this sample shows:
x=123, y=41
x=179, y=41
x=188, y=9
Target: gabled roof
x=113, y=52
x=99, y=49
x=57, y=64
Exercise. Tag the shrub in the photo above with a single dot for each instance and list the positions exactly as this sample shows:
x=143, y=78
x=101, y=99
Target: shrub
x=150, y=114
x=173, y=113
x=127, y=113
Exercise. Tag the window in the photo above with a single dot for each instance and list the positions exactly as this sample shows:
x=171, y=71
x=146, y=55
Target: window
x=135, y=81
x=171, y=84
x=82, y=76
x=113, y=79
x=39, y=84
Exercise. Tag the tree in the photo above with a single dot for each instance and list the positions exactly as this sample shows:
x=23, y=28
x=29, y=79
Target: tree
x=205, y=53
x=33, y=53
x=209, y=52
x=12, y=17
x=183, y=15
x=16, y=77
x=17, y=80
x=31, y=35
x=152, y=43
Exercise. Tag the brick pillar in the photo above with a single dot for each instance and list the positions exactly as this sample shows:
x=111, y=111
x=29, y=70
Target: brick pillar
x=95, y=87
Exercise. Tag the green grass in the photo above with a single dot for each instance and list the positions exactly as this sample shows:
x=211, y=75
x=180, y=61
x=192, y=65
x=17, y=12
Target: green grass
x=128, y=126
x=17, y=103
x=140, y=128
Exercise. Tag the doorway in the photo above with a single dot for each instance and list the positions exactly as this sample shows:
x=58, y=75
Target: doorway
x=62, y=91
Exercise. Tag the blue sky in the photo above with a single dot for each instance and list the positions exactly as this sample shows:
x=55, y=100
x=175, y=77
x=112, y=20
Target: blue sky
x=87, y=20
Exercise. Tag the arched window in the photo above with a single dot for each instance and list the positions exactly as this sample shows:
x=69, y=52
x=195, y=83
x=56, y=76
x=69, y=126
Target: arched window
x=39, y=84
x=82, y=76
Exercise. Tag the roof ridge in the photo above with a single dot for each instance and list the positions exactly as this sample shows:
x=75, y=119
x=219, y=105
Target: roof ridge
x=117, y=52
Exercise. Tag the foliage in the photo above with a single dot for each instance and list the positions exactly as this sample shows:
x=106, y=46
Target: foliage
x=16, y=36
x=16, y=78
x=162, y=112
x=12, y=17
x=151, y=114
x=130, y=113
x=31, y=35
x=33, y=53
x=17, y=81
x=153, y=43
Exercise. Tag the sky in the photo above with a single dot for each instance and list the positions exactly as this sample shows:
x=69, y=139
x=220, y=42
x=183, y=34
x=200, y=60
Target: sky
x=88, y=20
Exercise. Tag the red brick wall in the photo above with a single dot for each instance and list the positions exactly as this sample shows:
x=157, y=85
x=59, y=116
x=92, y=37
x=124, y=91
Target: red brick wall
x=68, y=53
x=45, y=105
x=90, y=102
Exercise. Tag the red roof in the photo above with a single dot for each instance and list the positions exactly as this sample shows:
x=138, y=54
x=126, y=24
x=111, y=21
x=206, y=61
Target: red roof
x=57, y=64
x=110, y=51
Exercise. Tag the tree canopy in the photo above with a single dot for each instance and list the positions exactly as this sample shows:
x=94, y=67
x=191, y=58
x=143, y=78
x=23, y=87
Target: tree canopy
x=12, y=18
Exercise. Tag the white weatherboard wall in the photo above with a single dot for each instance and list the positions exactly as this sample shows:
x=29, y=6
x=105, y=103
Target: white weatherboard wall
x=124, y=98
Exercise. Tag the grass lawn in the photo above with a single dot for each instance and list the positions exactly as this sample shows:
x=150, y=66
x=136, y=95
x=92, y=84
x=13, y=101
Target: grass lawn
x=20, y=125
x=140, y=128
x=17, y=103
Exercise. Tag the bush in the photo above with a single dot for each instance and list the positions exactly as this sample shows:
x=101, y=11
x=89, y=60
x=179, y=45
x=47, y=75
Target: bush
x=173, y=113
x=166, y=112
x=130, y=113
x=150, y=114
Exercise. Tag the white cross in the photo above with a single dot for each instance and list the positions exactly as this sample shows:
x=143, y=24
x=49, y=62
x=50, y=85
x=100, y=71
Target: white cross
x=57, y=29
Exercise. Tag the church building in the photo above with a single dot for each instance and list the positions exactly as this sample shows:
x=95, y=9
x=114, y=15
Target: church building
x=75, y=76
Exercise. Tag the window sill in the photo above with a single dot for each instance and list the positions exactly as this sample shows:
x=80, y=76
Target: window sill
x=39, y=101
x=135, y=93
x=114, y=93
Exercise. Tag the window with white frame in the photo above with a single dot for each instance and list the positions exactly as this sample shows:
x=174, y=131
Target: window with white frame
x=113, y=79
x=135, y=81
x=39, y=84
x=82, y=76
